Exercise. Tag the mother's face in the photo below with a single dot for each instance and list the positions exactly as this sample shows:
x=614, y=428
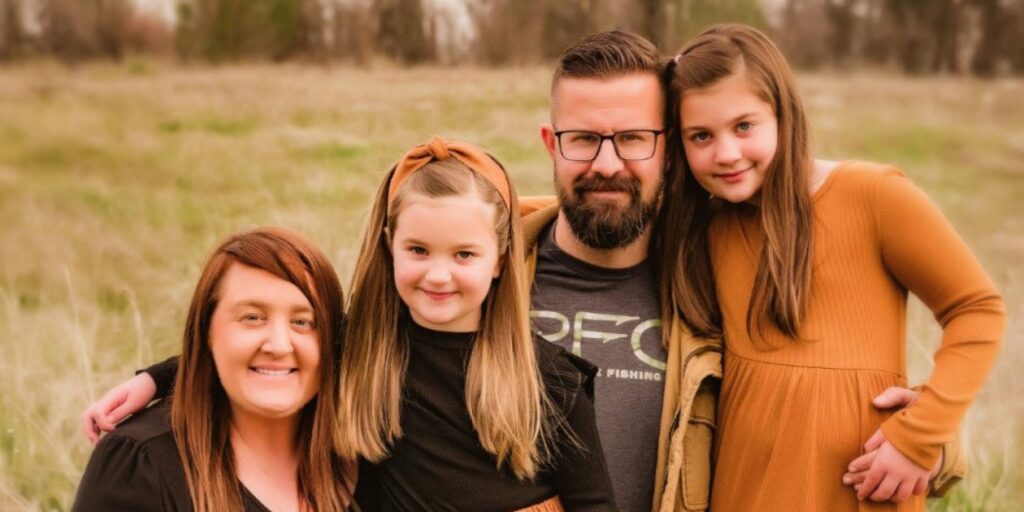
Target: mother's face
x=265, y=344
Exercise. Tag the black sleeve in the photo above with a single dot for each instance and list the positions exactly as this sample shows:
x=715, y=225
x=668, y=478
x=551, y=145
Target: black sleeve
x=120, y=478
x=163, y=373
x=578, y=469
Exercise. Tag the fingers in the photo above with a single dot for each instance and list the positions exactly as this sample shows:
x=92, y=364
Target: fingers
x=921, y=487
x=117, y=416
x=903, y=491
x=855, y=478
x=862, y=463
x=871, y=481
x=89, y=428
x=97, y=418
x=886, y=489
x=895, y=397
x=874, y=442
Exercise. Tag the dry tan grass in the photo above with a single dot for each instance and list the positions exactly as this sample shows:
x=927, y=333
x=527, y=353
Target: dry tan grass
x=115, y=181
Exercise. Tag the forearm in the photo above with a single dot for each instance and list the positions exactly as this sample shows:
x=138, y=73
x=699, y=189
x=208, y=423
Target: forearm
x=163, y=374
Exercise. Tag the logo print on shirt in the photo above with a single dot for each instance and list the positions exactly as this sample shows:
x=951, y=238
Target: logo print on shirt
x=579, y=333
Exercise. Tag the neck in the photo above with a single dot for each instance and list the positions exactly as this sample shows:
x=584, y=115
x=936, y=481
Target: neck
x=619, y=257
x=261, y=440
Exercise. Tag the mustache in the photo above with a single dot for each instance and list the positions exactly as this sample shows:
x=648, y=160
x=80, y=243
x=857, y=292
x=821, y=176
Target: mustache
x=602, y=184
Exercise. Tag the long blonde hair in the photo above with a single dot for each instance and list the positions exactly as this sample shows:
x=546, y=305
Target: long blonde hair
x=504, y=392
x=200, y=412
x=783, y=280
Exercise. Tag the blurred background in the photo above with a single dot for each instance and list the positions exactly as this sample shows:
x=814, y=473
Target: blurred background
x=135, y=134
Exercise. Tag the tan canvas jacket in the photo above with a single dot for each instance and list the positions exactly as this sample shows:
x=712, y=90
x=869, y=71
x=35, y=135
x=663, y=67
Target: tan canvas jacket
x=692, y=377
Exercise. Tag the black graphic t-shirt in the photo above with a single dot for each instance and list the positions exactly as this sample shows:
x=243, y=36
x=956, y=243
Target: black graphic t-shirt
x=611, y=318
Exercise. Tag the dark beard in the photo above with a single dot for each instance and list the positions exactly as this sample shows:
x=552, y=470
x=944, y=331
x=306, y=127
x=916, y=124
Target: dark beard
x=601, y=224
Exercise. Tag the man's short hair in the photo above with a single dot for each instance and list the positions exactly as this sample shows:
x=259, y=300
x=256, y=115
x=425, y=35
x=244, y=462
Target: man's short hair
x=608, y=54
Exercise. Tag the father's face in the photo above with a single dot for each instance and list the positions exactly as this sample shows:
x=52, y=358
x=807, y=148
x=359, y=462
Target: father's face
x=608, y=201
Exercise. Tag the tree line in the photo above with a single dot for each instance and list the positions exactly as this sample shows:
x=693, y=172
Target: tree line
x=980, y=37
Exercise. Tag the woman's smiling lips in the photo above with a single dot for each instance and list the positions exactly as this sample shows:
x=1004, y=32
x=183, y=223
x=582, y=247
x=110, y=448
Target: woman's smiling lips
x=272, y=372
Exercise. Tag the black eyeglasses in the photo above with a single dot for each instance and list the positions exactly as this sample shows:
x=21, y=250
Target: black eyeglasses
x=583, y=146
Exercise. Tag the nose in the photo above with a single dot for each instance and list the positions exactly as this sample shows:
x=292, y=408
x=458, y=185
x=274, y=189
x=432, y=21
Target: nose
x=278, y=340
x=438, y=274
x=727, y=151
x=607, y=162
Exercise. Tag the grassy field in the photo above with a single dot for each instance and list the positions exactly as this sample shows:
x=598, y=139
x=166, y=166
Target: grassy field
x=115, y=181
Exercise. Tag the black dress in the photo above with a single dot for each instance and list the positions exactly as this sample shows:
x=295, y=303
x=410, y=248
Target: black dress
x=136, y=468
x=439, y=464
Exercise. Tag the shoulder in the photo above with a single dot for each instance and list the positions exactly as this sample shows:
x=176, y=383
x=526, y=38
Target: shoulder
x=861, y=174
x=537, y=213
x=565, y=375
x=866, y=186
x=136, y=464
x=150, y=425
x=855, y=173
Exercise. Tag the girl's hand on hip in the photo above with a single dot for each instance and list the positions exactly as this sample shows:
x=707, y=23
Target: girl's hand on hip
x=883, y=473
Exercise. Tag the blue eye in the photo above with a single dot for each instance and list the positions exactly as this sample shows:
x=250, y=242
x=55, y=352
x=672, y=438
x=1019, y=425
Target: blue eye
x=745, y=126
x=305, y=323
x=418, y=250
x=250, y=318
x=464, y=255
x=700, y=137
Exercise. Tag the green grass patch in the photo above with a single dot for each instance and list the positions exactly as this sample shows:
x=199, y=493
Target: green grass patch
x=216, y=125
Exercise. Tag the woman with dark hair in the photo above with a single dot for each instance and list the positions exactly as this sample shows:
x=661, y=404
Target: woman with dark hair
x=250, y=424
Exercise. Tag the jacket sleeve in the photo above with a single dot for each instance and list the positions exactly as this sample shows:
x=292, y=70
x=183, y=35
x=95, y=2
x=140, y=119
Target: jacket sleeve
x=578, y=469
x=954, y=468
x=923, y=252
x=163, y=374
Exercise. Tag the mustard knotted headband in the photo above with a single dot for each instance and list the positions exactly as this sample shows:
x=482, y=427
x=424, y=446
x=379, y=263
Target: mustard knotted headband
x=437, y=148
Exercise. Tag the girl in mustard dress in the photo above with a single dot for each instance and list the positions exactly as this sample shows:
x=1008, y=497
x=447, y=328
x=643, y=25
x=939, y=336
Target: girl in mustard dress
x=803, y=266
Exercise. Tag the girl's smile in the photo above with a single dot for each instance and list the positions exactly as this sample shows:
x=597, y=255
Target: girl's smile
x=730, y=135
x=445, y=255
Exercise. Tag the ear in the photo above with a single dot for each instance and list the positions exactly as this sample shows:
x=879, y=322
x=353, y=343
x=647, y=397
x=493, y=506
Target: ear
x=387, y=235
x=547, y=134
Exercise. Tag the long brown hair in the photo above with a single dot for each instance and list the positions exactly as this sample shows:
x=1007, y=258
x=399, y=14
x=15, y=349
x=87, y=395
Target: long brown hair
x=200, y=412
x=504, y=393
x=783, y=278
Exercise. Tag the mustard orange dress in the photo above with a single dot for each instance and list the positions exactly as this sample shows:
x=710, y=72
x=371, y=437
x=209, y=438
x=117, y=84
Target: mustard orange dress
x=793, y=414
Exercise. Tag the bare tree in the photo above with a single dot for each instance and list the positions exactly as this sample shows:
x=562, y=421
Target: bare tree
x=401, y=33
x=12, y=34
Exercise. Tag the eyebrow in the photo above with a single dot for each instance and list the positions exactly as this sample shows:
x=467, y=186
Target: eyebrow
x=295, y=308
x=731, y=121
x=413, y=241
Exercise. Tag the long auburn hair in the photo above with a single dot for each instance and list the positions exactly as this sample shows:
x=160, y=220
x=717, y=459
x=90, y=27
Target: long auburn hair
x=783, y=277
x=504, y=392
x=200, y=411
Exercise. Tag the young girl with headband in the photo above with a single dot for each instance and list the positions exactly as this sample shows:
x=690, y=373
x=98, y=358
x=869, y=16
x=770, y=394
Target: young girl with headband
x=446, y=396
x=804, y=266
